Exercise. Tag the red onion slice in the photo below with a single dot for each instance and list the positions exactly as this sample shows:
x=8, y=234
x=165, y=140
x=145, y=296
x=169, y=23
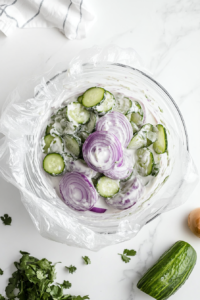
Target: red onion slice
x=116, y=123
x=130, y=194
x=77, y=191
x=123, y=171
x=98, y=210
x=102, y=150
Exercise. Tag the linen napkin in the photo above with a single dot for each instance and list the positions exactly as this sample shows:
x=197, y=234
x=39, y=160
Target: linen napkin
x=72, y=17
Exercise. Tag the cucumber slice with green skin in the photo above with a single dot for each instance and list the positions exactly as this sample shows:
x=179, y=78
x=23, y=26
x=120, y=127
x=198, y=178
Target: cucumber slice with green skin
x=170, y=272
x=150, y=133
x=90, y=126
x=107, y=104
x=48, y=128
x=93, y=97
x=107, y=187
x=145, y=162
x=137, y=114
x=77, y=113
x=135, y=127
x=160, y=145
x=83, y=136
x=69, y=127
x=72, y=145
x=54, y=164
x=137, y=141
x=79, y=99
x=155, y=170
x=123, y=105
x=52, y=144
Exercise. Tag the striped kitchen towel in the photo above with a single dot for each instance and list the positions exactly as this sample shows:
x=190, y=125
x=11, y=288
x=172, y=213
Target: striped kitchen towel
x=72, y=17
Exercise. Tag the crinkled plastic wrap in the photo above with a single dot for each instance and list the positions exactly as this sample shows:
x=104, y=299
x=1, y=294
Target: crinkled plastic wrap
x=24, y=119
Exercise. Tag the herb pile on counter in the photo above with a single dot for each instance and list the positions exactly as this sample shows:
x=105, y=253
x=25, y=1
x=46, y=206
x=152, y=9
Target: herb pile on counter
x=34, y=280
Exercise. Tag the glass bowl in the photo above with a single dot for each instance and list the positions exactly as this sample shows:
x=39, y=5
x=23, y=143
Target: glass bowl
x=131, y=82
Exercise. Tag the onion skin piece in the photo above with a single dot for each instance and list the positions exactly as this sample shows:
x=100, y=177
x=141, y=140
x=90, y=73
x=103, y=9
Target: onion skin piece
x=98, y=210
x=194, y=221
x=102, y=151
x=128, y=197
x=77, y=191
x=116, y=123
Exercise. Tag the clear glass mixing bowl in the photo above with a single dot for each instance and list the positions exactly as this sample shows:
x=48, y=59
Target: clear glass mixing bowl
x=131, y=82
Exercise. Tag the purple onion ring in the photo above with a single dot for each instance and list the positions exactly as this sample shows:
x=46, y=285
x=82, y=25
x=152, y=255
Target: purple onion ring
x=116, y=123
x=128, y=197
x=102, y=150
x=77, y=191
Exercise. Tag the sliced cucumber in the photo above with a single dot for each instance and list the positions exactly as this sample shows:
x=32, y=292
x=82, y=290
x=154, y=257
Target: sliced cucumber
x=135, y=127
x=160, y=145
x=52, y=144
x=107, y=104
x=48, y=129
x=150, y=133
x=72, y=145
x=145, y=162
x=107, y=187
x=54, y=164
x=155, y=170
x=77, y=113
x=68, y=127
x=90, y=126
x=79, y=99
x=137, y=114
x=83, y=136
x=123, y=105
x=138, y=140
x=93, y=96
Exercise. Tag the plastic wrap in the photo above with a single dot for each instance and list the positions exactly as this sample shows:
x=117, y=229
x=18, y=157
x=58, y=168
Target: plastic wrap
x=23, y=121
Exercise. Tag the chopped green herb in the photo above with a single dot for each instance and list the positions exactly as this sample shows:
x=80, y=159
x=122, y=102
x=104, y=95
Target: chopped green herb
x=6, y=219
x=86, y=260
x=1, y=272
x=127, y=253
x=66, y=284
x=71, y=269
x=125, y=258
x=34, y=280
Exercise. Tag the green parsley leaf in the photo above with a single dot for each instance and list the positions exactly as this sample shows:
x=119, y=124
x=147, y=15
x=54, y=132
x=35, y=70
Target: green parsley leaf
x=6, y=219
x=66, y=284
x=80, y=298
x=71, y=269
x=129, y=252
x=125, y=258
x=34, y=279
x=1, y=272
x=86, y=260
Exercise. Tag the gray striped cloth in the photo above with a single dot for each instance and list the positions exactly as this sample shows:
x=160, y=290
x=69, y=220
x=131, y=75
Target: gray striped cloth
x=72, y=17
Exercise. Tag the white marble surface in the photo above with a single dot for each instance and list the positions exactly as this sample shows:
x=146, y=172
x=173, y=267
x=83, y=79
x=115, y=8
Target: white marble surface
x=166, y=35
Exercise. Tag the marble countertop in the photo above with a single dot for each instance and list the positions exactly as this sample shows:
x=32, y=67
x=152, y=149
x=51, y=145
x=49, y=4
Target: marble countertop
x=166, y=36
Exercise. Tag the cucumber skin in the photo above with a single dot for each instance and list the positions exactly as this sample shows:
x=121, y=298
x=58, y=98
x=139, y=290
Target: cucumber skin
x=102, y=100
x=165, y=137
x=170, y=272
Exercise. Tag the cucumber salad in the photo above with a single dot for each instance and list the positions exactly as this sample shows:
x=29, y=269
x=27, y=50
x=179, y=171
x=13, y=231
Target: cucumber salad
x=107, y=148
